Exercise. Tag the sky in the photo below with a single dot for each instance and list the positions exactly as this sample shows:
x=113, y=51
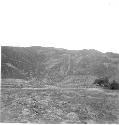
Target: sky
x=69, y=24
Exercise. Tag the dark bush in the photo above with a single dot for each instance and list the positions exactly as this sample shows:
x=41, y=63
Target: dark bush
x=114, y=85
x=102, y=82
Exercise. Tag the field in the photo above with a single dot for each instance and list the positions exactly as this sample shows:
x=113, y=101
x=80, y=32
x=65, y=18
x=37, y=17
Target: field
x=59, y=105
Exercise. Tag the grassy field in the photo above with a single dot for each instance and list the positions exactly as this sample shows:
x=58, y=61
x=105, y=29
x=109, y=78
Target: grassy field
x=56, y=105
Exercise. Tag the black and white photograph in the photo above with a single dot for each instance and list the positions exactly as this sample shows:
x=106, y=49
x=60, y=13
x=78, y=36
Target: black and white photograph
x=59, y=61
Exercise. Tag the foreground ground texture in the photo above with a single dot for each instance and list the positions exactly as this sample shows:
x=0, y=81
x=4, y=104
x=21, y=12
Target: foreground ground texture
x=59, y=105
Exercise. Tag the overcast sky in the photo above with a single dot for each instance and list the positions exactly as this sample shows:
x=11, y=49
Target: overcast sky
x=69, y=24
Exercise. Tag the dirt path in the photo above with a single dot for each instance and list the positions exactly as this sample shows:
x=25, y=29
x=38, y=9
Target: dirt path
x=95, y=89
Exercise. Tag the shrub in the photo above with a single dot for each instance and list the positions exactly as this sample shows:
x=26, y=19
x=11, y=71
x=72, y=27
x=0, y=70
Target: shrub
x=102, y=82
x=114, y=85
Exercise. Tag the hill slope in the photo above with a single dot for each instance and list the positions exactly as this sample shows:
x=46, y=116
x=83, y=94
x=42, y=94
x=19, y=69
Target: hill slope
x=56, y=64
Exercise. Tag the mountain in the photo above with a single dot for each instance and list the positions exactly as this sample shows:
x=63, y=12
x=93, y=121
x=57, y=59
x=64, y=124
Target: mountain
x=56, y=64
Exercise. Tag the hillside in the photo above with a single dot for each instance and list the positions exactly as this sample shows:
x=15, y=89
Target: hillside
x=56, y=64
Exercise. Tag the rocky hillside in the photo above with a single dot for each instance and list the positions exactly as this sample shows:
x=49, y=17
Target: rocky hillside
x=56, y=64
